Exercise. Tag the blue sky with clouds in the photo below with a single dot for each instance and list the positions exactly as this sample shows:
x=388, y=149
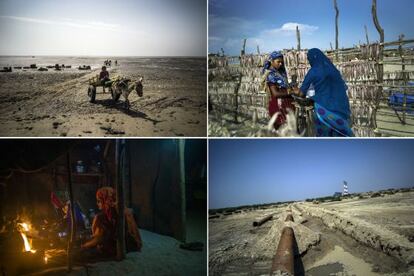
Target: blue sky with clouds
x=271, y=23
x=103, y=27
x=251, y=171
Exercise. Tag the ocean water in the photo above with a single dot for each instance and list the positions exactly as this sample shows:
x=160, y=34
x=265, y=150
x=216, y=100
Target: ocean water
x=163, y=63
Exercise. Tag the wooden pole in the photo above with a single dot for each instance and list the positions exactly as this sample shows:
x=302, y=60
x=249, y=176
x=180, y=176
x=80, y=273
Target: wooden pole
x=336, y=29
x=120, y=237
x=298, y=37
x=380, y=66
x=181, y=151
x=405, y=77
x=72, y=214
x=366, y=34
x=126, y=176
x=243, y=51
x=297, y=52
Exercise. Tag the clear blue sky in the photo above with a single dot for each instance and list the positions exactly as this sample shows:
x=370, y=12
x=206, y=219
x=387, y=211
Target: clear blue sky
x=266, y=23
x=249, y=171
x=103, y=27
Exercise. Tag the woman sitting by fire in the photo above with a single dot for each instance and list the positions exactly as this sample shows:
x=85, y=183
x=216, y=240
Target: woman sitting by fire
x=104, y=226
x=332, y=111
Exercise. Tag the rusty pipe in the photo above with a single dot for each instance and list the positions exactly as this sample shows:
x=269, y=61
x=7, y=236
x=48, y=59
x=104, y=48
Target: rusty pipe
x=260, y=221
x=284, y=259
x=289, y=217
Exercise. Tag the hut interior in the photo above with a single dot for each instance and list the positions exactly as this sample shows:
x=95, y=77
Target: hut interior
x=163, y=183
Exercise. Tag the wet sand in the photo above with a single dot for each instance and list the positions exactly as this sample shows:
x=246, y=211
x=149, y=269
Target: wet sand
x=55, y=103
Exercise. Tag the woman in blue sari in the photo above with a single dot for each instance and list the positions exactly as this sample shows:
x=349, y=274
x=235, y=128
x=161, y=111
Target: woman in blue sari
x=332, y=112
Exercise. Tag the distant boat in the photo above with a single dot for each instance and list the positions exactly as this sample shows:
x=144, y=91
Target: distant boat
x=33, y=56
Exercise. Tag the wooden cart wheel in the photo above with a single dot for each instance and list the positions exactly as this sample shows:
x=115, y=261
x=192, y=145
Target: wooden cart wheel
x=115, y=96
x=92, y=93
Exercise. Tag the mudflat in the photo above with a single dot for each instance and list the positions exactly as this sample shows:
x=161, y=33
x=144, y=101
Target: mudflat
x=55, y=103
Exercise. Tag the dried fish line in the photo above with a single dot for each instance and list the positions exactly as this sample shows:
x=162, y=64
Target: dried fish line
x=360, y=67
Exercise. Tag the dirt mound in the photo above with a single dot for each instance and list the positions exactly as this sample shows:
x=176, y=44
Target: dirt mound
x=372, y=235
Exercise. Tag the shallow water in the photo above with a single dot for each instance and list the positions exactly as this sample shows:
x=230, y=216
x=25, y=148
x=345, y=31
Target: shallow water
x=166, y=63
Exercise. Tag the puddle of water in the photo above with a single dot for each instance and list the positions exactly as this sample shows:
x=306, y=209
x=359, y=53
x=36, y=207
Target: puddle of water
x=327, y=269
x=339, y=260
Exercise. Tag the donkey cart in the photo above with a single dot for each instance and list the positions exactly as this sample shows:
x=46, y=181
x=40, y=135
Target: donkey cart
x=117, y=86
x=94, y=83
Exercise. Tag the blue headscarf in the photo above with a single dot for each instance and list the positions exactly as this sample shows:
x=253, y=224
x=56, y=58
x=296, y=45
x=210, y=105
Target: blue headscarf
x=330, y=88
x=274, y=55
x=276, y=76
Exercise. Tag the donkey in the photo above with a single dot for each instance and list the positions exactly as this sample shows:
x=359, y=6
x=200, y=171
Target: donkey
x=124, y=87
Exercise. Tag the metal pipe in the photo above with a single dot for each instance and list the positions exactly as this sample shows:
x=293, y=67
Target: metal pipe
x=284, y=258
x=260, y=221
x=289, y=217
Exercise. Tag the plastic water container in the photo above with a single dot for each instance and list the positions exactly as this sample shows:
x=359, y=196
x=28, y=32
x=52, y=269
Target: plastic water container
x=311, y=91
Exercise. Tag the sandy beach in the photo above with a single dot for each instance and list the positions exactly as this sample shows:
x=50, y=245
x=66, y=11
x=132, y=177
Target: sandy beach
x=55, y=103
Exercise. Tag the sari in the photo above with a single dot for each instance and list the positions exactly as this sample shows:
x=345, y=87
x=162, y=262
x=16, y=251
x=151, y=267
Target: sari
x=331, y=103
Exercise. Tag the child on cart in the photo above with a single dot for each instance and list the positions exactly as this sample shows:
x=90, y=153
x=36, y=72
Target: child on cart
x=104, y=77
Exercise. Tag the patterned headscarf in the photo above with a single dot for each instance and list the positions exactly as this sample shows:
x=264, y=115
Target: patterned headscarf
x=107, y=195
x=274, y=55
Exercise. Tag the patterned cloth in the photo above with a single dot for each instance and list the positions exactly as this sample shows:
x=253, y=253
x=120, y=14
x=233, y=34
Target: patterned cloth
x=107, y=221
x=329, y=124
x=107, y=196
x=278, y=78
x=274, y=55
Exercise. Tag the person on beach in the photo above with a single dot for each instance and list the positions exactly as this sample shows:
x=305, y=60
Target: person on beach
x=104, y=226
x=331, y=103
x=276, y=81
x=104, y=77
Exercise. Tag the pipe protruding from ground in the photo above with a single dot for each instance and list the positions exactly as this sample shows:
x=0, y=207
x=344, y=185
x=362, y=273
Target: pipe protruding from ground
x=289, y=217
x=260, y=221
x=284, y=259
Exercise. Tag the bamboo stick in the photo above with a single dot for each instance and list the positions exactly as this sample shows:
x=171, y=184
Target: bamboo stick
x=181, y=152
x=119, y=171
x=72, y=215
x=336, y=29
x=380, y=74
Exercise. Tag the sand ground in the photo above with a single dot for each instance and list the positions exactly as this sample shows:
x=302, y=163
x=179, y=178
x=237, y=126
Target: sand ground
x=371, y=236
x=55, y=103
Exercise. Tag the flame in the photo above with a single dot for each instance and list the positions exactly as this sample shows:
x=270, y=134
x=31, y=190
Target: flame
x=45, y=258
x=27, y=245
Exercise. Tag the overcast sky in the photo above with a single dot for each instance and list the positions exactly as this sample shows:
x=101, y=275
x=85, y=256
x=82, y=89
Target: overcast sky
x=271, y=24
x=103, y=27
x=251, y=171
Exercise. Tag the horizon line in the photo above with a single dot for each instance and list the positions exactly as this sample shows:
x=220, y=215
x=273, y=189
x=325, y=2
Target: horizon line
x=99, y=56
x=297, y=200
